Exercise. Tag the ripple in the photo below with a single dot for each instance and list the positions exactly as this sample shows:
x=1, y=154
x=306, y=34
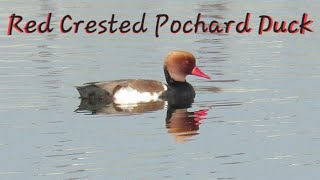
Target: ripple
x=9, y=172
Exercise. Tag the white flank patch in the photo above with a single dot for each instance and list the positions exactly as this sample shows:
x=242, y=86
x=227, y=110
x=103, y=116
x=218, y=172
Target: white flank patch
x=164, y=87
x=127, y=95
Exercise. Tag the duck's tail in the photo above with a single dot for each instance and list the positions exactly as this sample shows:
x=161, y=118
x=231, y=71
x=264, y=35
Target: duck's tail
x=93, y=92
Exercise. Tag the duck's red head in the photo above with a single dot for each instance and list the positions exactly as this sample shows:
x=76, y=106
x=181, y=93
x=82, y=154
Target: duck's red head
x=179, y=64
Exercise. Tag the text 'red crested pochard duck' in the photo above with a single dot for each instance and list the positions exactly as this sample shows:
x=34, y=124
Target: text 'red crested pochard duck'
x=177, y=65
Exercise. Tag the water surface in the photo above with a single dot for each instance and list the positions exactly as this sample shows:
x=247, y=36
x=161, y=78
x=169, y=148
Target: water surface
x=258, y=115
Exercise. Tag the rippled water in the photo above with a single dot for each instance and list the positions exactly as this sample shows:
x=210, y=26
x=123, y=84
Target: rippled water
x=257, y=118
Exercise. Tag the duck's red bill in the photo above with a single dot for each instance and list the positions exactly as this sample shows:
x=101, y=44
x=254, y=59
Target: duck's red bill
x=197, y=72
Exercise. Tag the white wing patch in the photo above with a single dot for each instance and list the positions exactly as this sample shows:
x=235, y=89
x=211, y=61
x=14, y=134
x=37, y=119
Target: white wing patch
x=128, y=95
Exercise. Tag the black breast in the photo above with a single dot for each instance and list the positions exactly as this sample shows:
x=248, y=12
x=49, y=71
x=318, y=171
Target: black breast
x=179, y=94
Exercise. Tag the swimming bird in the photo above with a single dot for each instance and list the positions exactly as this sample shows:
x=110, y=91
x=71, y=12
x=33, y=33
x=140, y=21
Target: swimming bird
x=177, y=65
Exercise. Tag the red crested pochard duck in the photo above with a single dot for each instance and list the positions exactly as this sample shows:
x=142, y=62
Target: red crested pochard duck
x=177, y=65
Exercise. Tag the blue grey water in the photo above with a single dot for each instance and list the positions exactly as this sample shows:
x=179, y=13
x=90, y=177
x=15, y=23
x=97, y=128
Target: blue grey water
x=262, y=103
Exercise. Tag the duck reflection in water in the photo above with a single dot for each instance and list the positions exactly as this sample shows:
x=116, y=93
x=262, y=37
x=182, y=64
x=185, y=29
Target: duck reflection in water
x=181, y=123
